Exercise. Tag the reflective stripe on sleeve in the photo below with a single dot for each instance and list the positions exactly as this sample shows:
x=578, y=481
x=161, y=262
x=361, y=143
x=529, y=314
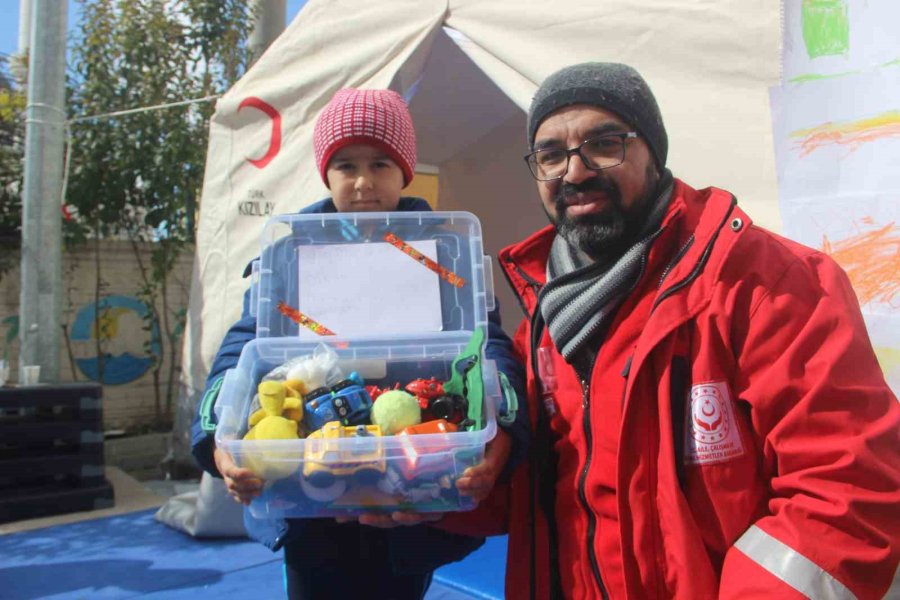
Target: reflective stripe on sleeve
x=790, y=566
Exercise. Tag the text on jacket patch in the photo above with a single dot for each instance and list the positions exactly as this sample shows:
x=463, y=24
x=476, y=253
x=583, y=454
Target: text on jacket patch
x=711, y=431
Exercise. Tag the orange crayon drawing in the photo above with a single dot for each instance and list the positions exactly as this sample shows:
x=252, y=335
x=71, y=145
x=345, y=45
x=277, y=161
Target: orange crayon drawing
x=872, y=261
x=851, y=135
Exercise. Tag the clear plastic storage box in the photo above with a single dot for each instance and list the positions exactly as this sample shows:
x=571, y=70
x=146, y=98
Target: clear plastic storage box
x=394, y=319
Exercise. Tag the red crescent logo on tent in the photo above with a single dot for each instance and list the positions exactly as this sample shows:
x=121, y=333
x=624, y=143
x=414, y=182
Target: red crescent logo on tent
x=275, y=140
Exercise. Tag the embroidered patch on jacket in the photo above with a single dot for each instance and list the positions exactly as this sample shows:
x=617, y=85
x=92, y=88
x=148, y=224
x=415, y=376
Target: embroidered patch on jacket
x=712, y=434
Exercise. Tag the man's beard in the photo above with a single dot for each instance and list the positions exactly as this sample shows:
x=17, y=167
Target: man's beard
x=611, y=231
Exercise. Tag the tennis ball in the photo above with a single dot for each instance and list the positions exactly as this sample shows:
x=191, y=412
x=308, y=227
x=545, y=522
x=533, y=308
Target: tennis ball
x=396, y=410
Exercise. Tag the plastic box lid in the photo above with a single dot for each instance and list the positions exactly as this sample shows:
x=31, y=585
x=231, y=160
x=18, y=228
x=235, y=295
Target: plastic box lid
x=342, y=272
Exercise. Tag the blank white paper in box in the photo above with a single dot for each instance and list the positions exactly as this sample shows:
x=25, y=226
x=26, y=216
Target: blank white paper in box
x=370, y=289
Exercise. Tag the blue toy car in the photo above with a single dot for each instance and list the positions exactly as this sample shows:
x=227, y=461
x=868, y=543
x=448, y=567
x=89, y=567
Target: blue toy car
x=346, y=401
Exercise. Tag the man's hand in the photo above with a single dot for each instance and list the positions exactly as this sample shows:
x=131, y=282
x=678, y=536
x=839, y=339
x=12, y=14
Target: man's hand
x=478, y=481
x=242, y=484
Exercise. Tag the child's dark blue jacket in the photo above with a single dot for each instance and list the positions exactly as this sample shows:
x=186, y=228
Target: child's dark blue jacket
x=417, y=549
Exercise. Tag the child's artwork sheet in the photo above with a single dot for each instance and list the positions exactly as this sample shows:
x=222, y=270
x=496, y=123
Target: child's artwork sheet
x=369, y=289
x=836, y=128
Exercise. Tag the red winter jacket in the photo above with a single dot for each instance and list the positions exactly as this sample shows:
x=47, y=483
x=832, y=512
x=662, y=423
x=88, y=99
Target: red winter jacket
x=736, y=438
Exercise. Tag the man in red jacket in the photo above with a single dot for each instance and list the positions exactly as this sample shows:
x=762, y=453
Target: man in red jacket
x=710, y=419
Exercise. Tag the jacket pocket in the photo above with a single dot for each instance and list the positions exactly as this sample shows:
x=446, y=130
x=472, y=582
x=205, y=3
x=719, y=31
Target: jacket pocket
x=679, y=384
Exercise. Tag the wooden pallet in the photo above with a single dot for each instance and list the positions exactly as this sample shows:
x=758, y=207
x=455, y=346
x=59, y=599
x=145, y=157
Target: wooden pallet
x=51, y=451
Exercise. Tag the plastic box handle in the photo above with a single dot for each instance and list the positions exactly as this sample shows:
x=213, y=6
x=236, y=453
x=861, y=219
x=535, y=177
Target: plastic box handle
x=227, y=384
x=488, y=283
x=254, y=287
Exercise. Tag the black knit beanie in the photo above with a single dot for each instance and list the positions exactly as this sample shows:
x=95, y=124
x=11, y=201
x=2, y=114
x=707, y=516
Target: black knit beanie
x=612, y=86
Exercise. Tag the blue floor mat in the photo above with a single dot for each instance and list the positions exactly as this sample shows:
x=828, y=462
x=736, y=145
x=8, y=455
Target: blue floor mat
x=480, y=575
x=133, y=556
x=117, y=557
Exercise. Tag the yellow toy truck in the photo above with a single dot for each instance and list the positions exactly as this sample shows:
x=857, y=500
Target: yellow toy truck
x=336, y=455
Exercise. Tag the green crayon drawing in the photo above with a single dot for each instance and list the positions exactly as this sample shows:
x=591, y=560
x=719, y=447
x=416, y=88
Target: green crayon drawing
x=826, y=27
x=819, y=76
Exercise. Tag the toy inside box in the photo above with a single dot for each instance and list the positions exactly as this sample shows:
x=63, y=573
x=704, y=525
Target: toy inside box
x=366, y=388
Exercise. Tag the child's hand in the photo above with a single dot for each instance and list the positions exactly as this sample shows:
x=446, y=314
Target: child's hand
x=478, y=481
x=392, y=520
x=242, y=484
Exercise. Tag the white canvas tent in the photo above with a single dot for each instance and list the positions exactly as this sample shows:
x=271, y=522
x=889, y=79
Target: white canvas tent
x=469, y=69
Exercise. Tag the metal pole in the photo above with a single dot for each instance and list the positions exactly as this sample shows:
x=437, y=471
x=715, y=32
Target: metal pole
x=40, y=300
x=24, y=25
x=268, y=25
x=18, y=66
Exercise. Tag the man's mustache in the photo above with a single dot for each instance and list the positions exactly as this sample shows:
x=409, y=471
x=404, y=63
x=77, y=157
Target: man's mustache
x=593, y=184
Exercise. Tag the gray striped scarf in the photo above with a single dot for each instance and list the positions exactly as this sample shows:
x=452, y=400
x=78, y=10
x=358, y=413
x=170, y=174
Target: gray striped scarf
x=580, y=295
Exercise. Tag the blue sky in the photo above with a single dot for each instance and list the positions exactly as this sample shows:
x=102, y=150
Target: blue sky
x=9, y=21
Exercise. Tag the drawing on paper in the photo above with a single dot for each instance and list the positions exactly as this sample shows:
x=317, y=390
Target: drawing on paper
x=850, y=134
x=826, y=27
x=889, y=361
x=871, y=259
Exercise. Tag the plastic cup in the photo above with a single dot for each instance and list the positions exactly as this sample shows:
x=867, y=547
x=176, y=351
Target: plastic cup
x=31, y=374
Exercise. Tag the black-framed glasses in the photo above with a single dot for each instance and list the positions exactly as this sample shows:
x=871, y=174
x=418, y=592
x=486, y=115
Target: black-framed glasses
x=598, y=153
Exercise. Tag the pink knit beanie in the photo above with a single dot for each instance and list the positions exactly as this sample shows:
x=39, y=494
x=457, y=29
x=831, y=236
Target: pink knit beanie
x=376, y=117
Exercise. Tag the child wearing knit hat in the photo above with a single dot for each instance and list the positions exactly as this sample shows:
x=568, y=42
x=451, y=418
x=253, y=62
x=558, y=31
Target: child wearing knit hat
x=365, y=148
x=365, y=151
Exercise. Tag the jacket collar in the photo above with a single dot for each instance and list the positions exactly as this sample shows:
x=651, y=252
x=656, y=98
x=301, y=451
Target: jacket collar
x=693, y=216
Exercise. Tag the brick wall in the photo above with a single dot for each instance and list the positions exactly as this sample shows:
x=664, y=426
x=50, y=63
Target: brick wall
x=128, y=395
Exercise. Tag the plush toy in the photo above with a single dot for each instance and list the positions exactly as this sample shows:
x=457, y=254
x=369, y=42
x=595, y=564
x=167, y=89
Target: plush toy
x=295, y=388
x=271, y=425
x=395, y=411
x=272, y=464
x=291, y=405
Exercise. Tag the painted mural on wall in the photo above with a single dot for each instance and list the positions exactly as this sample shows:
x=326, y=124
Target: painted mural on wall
x=128, y=348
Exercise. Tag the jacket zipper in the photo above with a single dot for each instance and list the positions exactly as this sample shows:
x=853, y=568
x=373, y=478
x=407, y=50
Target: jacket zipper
x=675, y=260
x=532, y=283
x=532, y=483
x=589, y=443
x=586, y=423
x=701, y=262
x=582, y=494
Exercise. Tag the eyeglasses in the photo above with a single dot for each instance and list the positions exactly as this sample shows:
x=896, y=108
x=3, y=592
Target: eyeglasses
x=601, y=152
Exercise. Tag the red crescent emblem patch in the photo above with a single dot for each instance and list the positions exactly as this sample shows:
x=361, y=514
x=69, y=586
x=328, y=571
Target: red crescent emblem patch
x=275, y=139
x=712, y=432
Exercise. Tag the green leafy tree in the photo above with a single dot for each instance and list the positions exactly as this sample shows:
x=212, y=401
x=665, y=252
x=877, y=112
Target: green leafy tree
x=12, y=140
x=137, y=176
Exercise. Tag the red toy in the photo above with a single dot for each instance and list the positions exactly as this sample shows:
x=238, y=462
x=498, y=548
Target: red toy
x=375, y=391
x=436, y=403
x=425, y=390
x=436, y=426
x=428, y=460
